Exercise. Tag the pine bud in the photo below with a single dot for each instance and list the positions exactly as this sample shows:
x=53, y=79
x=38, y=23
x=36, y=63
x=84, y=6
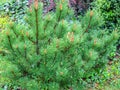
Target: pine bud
x=36, y=4
x=70, y=36
x=61, y=73
x=95, y=41
x=16, y=46
x=22, y=32
x=27, y=34
x=45, y=51
x=7, y=33
x=72, y=39
x=61, y=7
x=25, y=46
x=62, y=1
x=91, y=13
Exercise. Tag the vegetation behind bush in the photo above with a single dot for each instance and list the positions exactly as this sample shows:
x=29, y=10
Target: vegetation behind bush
x=14, y=9
x=110, y=10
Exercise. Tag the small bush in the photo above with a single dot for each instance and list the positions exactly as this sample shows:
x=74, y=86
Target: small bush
x=52, y=53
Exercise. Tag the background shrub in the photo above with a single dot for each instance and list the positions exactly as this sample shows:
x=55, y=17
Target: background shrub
x=110, y=10
x=14, y=9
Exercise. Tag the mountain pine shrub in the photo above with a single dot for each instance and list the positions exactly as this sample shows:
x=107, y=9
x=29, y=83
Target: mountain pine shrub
x=51, y=52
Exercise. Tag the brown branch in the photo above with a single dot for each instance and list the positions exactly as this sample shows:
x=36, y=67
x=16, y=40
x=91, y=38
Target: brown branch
x=31, y=40
x=25, y=51
x=88, y=25
x=37, y=32
x=13, y=73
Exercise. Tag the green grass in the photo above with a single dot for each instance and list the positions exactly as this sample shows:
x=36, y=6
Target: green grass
x=110, y=77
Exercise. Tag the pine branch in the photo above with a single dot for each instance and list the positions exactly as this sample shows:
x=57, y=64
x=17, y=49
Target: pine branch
x=49, y=41
x=37, y=32
x=88, y=25
x=15, y=33
x=39, y=62
x=57, y=21
x=31, y=40
x=23, y=38
x=19, y=51
x=13, y=73
x=10, y=43
x=54, y=60
x=25, y=52
x=86, y=30
x=46, y=26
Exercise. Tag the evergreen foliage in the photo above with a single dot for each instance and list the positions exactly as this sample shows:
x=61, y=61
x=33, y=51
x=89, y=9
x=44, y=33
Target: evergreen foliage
x=52, y=53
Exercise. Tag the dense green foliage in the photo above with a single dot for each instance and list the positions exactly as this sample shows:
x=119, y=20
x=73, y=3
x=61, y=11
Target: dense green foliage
x=110, y=10
x=52, y=52
x=14, y=9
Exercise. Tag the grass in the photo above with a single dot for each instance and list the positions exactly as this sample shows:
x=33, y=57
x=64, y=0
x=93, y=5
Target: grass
x=110, y=77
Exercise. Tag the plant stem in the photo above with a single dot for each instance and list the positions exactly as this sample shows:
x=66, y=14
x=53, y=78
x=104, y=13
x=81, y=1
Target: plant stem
x=29, y=38
x=10, y=43
x=25, y=53
x=37, y=32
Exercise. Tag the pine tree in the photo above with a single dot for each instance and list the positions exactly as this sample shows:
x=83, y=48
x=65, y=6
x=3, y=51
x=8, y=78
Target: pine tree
x=52, y=52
